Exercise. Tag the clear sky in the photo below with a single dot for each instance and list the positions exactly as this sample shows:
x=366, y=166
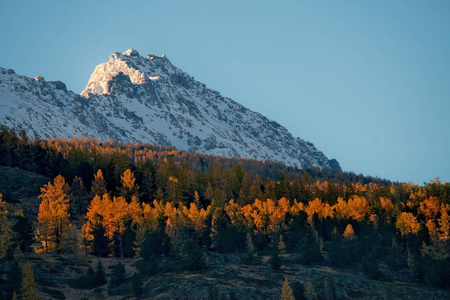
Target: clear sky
x=368, y=82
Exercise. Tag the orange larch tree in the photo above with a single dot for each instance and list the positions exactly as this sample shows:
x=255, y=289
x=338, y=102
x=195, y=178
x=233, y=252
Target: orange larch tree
x=129, y=188
x=53, y=217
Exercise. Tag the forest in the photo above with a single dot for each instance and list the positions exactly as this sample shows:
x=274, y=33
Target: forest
x=151, y=203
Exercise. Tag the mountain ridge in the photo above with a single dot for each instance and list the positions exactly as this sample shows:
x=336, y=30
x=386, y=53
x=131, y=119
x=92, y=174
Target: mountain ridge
x=132, y=98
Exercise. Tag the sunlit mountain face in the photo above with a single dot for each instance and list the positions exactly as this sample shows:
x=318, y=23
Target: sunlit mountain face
x=131, y=98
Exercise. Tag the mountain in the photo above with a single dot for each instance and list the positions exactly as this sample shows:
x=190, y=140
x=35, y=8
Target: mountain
x=132, y=98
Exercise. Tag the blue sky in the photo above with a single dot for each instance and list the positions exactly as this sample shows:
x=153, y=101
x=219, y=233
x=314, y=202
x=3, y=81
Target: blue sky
x=368, y=82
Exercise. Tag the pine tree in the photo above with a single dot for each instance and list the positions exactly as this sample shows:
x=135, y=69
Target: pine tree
x=136, y=285
x=118, y=275
x=99, y=275
x=275, y=260
x=23, y=231
x=191, y=256
x=286, y=291
x=79, y=199
x=28, y=284
x=53, y=216
x=13, y=279
x=299, y=291
x=330, y=292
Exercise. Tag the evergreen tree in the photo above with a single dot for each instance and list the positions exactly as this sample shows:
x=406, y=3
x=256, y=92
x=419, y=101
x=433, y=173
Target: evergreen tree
x=23, y=231
x=330, y=292
x=286, y=291
x=118, y=275
x=28, y=284
x=79, y=198
x=309, y=249
x=225, y=236
x=99, y=245
x=148, y=181
x=191, y=256
x=99, y=275
x=13, y=279
x=298, y=291
x=148, y=267
x=136, y=285
x=88, y=281
x=275, y=260
x=128, y=238
x=370, y=266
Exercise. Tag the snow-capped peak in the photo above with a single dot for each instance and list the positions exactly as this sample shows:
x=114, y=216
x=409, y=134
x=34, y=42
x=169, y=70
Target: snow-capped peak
x=137, y=99
x=100, y=79
x=131, y=52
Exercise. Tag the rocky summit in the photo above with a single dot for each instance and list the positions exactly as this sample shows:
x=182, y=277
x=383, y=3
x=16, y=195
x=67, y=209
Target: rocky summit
x=131, y=98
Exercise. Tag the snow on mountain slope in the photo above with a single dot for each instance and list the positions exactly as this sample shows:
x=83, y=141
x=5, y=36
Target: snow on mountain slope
x=132, y=98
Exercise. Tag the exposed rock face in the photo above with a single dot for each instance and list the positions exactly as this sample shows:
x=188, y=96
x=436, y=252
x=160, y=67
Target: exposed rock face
x=131, y=98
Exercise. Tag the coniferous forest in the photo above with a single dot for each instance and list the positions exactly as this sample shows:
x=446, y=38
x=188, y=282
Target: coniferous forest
x=147, y=211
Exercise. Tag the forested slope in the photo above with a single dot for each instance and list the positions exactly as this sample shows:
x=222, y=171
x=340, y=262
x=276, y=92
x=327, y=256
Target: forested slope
x=160, y=212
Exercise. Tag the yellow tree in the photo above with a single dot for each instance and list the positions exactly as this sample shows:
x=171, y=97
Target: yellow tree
x=430, y=207
x=98, y=185
x=53, y=216
x=349, y=233
x=286, y=291
x=341, y=208
x=94, y=217
x=407, y=223
x=323, y=210
x=129, y=188
x=388, y=207
x=358, y=207
x=197, y=217
x=444, y=222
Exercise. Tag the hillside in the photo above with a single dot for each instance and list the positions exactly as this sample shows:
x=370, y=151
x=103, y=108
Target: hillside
x=202, y=227
x=225, y=277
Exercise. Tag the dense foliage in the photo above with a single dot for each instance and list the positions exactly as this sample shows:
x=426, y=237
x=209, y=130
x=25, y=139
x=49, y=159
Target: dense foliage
x=146, y=201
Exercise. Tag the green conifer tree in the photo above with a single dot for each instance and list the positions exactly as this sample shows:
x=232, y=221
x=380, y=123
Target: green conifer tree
x=275, y=260
x=99, y=275
x=136, y=285
x=28, y=284
x=118, y=275
x=298, y=291
x=23, y=231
